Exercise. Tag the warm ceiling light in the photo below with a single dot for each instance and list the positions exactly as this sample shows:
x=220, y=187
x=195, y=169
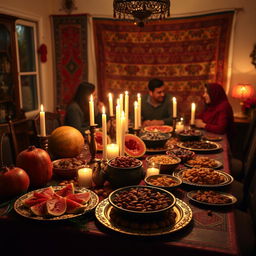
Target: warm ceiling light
x=242, y=91
x=141, y=11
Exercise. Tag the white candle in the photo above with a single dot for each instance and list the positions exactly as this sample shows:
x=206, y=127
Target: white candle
x=139, y=109
x=104, y=133
x=42, y=121
x=122, y=134
x=152, y=171
x=121, y=97
x=193, y=111
x=136, y=115
x=112, y=151
x=118, y=122
x=91, y=107
x=110, y=101
x=179, y=127
x=85, y=177
x=126, y=109
x=174, y=106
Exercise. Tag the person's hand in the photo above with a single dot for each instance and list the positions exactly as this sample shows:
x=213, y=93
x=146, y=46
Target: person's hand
x=199, y=123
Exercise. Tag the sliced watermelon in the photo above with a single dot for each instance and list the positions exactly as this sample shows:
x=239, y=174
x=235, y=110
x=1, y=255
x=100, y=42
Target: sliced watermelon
x=81, y=198
x=74, y=207
x=39, y=209
x=56, y=206
x=67, y=190
x=33, y=200
x=47, y=192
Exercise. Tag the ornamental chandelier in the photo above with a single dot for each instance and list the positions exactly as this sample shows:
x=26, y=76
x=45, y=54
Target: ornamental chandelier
x=141, y=11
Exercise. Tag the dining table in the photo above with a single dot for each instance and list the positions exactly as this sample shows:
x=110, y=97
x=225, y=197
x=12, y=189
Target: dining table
x=211, y=230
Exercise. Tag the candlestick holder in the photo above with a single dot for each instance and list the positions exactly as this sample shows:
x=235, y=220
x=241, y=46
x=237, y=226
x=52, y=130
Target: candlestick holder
x=136, y=132
x=174, y=121
x=43, y=141
x=112, y=128
x=92, y=145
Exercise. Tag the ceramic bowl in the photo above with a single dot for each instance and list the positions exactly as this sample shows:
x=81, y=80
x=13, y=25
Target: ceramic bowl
x=155, y=140
x=183, y=154
x=190, y=135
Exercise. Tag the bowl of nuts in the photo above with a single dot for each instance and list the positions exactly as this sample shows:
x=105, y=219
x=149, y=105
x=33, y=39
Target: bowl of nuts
x=167, y=163
x=190, y=135
x=155, y=139
x=141, y=200
x=183, y=154
x=164, y=181
x=124, y=171
x=67, y=167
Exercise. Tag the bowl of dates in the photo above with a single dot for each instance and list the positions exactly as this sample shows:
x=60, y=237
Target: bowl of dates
x=164, y=181
x=155, y=139
x=190, y=134
x=124, y=171
x=141, y=200
x=183, y=154
x=67, y=167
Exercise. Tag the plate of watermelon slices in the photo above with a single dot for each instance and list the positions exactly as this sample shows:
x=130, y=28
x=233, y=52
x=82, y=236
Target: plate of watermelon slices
x=56, y=203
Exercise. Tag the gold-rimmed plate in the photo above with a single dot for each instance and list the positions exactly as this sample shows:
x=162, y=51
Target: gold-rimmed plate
x=200, y=146
x=26, y=212
x=230, y=197
x=181, y=209
x=217, y=165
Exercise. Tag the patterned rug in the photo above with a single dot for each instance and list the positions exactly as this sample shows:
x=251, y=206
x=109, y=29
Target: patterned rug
x=184, y=52
x=70, y=41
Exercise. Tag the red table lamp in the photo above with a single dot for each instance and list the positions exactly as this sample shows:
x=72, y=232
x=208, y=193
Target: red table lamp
x=242, y=92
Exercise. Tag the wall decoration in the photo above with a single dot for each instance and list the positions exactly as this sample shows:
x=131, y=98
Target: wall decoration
x=184, y=52
x=71, y=57
x=253, y=56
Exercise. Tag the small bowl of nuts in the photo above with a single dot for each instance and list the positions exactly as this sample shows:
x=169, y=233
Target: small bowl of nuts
x=164, y=181
x=167, y=163
x=141, y=200
x=124, y=171
x=155, y=139
x=183, y=154
x=67, y=167
x=190, y=135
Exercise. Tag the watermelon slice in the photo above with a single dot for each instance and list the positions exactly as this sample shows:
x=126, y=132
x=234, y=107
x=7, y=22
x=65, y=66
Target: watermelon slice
x=39, y=209
x=47, y=192
x=74, y=207
x=67, y=190
x=33, y=200
x=81, y=198
x=56, y=206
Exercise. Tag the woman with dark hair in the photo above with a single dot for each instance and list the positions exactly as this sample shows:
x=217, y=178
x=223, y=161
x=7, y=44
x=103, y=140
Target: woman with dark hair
x=217, y=116
x=77, y=114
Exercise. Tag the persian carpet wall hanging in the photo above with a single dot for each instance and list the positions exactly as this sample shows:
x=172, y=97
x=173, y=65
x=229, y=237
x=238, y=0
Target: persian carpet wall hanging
x=184, y=52
x=71, y=57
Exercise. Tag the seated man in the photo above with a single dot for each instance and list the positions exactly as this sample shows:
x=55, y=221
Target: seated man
x=156, y=107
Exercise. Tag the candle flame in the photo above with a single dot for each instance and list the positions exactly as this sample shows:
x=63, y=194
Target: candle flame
x=103, y=110
x=174, y=99
x=138, y=95
x=126, y=92
x=91, y=97
x=42, y=108
x=135, y=103
x=110, y=95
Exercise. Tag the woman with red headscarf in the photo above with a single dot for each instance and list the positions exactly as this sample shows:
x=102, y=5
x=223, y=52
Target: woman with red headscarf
x=217, y=116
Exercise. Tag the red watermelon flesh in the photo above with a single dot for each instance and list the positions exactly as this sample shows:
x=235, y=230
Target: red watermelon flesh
x=47, y=192
x=39, y=209
x=67, y=190
x=56, y=206
x=33, y=200
x=81, y=198
x=73, y=207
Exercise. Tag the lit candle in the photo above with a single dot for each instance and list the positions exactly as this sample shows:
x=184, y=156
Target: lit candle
x=126, y=109
x=112, y=151
x=139, y=109
x=193, y=111
x=118, y=122
x=42, y=121
x=136, y=115
x=104, y=133
x=110, y=101
x=91, y=107
x=174, y=106
x=179, y=126
x=121, y=97
x=152, y=171
x=85, y=177
x=122, y=134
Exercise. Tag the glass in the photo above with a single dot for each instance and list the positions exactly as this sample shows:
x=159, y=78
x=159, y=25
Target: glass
x=152, y=169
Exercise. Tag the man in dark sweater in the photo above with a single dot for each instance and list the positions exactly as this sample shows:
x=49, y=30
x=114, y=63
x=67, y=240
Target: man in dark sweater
x=156, y=107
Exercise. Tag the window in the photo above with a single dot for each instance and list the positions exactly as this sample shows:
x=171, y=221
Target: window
x=27, y=60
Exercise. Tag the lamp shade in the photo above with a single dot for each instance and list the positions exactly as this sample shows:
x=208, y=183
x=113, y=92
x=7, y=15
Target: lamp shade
x=242, y=91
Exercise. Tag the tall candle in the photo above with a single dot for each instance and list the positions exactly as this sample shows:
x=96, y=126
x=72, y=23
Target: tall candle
x=118, y=123
x=174, y=107
x=112, y=151
x=104, y=133
x=193, y=111
x=139, y=109
x=126, y=109
x=136, y=115
x=91, y=107
x=110, y=101
x=42, y=121
x=121, y=97
x=85, y=177
x=122, y=133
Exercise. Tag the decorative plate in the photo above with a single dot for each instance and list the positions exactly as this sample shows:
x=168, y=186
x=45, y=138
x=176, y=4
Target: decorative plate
x=181, y=209
x=212, y=138
x=218, y=165
x=215, y=146
x=25, y=212
x=233, y=199
x=228, y=179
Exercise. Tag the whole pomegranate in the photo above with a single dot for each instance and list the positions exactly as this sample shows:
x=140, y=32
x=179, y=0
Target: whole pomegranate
x=13, y=181
x=38, y=165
